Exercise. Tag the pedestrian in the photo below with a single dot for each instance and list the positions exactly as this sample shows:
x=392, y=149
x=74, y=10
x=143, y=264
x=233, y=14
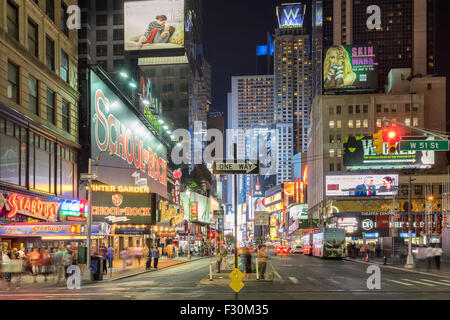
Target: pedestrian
x=242, y=261
x=103, y=252
x=437, y=253
x=67, y=261
x=6, y=260
x=123, y=256
x=262, y=257
x=139, y=251
x=58, y=263
x=363, y=250
x=46, y=263
x=248, y=262
x=110, y=256
x=148, y=262
x=156, y=254
x=35, y=259
x=378, y=250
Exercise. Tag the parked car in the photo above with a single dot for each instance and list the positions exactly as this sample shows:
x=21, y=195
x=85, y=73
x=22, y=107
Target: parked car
x=297, y=250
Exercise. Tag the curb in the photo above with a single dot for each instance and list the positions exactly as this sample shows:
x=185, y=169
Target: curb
x=399, y=268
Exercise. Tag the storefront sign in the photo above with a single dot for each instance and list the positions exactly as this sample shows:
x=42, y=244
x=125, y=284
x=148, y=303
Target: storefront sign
x=371, y=235
x=123, y=208
x=194, y=211
x=41, y=229
x=32, y=206
x=132, y=231
x=169, y=212
x=71, y=208
x=406, y=235
x=177, y=184
x=120, y=189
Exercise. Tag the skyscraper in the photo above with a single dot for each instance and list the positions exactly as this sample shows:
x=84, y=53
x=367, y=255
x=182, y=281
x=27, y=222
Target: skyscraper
x=293, y=88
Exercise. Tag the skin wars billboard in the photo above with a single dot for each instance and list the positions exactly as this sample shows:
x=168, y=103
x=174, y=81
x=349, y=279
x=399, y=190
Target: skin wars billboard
x=134, y=156
x=351, y=67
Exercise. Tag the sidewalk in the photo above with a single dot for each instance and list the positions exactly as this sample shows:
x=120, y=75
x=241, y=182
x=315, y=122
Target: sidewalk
x=420, y=266
x=118, y=273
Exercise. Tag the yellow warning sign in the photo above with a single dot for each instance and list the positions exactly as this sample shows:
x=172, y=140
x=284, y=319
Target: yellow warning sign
x=236, y=276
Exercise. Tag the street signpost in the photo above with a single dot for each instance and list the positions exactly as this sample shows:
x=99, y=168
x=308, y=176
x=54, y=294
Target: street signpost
x=240, y=166
x=261, y=218
x=424, y=145
x=88, y=176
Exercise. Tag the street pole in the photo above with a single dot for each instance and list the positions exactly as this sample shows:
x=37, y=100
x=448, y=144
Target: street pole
x=89, y=221
x=189, y=225
x=410, y=258
x=235, y=214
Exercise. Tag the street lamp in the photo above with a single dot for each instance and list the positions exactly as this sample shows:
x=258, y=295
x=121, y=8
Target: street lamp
x=188, y=192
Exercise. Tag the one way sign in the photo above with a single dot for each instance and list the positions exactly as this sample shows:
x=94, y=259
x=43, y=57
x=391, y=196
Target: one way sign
x=244, y=166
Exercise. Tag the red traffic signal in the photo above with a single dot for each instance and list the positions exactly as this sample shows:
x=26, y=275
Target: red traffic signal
x=392, y=137
x=211, y=235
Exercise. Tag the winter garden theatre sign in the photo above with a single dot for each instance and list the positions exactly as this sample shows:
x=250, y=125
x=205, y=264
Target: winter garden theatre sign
x=133, y=206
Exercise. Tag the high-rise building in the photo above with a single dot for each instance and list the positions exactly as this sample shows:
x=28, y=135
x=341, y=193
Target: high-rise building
x=404, y=39
x=39, y=99
x=293, y=88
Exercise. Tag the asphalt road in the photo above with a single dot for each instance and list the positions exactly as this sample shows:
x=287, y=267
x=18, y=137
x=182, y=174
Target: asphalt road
x=298, y=278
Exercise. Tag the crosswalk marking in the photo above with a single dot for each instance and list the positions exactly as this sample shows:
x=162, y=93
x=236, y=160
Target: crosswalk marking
x=443, y=284
x=334, y=281
x=445, y=280
x=418, y=282
x=293, y=279
x=311, y=279
x=403, y=283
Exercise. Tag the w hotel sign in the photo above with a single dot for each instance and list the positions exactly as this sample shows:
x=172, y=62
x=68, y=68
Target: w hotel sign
x=291, y=15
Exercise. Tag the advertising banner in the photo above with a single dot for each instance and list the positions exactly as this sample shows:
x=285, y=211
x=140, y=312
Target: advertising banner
x=291, y=15
x=154, y=24
x=362, y=185
x=16, y=204
x=299, y=212
x=134, y=156
x=40, y=230
x=350, y=67
x=123, y=208
x=358, y=155
x=204, y=212
x=256, y=205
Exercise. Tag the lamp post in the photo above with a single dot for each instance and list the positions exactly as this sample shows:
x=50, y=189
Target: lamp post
x=410, y=258
x=188, y=192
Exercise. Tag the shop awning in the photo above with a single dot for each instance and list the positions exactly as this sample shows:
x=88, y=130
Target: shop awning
x=46, y=230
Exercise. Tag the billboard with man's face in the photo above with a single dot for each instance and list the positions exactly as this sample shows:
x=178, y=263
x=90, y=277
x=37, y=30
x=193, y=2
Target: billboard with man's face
x=350, y=67
x=154, y=24
x=362, y=185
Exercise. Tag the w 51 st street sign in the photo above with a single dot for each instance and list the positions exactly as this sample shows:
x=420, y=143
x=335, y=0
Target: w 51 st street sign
x=424, y=145
x=244, y=166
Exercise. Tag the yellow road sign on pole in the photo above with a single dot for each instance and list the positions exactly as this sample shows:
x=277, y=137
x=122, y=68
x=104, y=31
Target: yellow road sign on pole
x=236, y=276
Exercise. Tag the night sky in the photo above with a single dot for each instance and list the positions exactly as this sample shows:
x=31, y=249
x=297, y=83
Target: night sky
x=233, y=29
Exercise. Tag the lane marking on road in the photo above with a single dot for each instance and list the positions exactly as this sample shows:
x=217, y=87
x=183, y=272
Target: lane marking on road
x=403, y=283
x=277, y=274
x=334, y=281
x=437, y=282
x=311, y=279
x=446, y=280
x=419, y=282
x=293, y=279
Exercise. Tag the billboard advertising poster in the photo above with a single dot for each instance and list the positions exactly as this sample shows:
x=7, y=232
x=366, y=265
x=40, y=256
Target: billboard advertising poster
x=291, y=15
x=256, y=205
x=362, y=185
x=154, y=24
x=202, y=207
x=350, y=67
x=299, y=211
x=358, y=155
x=123, y=208
x=134, y=156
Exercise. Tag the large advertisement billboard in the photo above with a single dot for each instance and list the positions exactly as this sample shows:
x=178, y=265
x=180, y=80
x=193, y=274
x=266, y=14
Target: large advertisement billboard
x=359, y=155
x=350, y=67
x=154, y=24
x=200, y=207
x=133, y=155
x=291, y=15
x=362, y=185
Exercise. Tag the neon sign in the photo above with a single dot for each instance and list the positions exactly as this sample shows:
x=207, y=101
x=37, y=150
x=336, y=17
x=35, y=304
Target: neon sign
x=36, y=208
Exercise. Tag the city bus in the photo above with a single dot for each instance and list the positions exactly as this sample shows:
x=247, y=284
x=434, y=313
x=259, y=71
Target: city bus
x=307, y=244
x=329, y=243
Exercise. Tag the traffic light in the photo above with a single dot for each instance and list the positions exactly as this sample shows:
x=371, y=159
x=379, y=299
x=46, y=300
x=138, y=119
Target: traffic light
x=377, y=142
x=83, y=208
x=211, y=235
x=391, y=136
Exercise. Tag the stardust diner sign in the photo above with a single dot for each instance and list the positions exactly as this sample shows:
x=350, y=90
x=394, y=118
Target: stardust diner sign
x=138, y=157
x=36, y=230
x=32, y=206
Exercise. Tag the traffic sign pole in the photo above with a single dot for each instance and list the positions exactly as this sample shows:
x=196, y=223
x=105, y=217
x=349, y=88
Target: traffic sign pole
x=235, y=215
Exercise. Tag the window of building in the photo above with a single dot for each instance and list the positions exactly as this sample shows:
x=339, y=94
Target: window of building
x=331, y=124
x=118, y=34
x=65, y=115
x=379, y=108
x=101, y=5
x=338, y=109
x=394, y=108
x=365, y=123
x=350, y=109
x=350, y=123
x=357, y=109
x=331, y=153
x=378, y=123
x=429, y=86
x=33, y=95
x=118, y=49
x=358, y=124
x=50, y=106
x=118, y=5
x=331, y=167
x=331, y=110
x=415, y=122
x=440, y=189
x=339, y=167
x=118, y=19
x=338, y=138
x=13, y=83
x=407, y=107
x=102, y=50
x=64, y=66
x=331, y=138
x=33, y=38
x=404, y=189
x=415, y=107
x=338, y=124
x=418, y=190
x=64, y=19
x=50, y=9
x=12, y=18
x=101, y=35
x=408, y=121
x=386, y=109
x=50, y=53
x=118, y=64
x=101, y=19
x=365, y=108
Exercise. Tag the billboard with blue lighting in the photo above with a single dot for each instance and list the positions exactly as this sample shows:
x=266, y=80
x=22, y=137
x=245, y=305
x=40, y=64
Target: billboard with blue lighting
x=291, y=15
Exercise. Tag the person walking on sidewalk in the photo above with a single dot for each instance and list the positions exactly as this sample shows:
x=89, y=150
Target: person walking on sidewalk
x=103, y=253
x=110, y=256
x=429, y=256
x=58, y=263
x=46, y=263
x=262, y=257
x=6, y=259
x=139, y=255
x=437, y=253
x=35, y=259
x=148, y=262
x=156, y=254
x=67, y=261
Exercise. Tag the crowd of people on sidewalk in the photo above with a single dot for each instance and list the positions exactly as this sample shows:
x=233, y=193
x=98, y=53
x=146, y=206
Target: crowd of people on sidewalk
x=47, y=262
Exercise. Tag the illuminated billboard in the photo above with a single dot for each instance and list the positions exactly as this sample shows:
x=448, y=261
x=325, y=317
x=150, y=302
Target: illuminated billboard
x=350, y=67
x=362, y=185
x=154, y=24
x=359, y=155
x=291, y=15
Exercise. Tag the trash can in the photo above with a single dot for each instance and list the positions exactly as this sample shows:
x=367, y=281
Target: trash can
x=97, y=267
